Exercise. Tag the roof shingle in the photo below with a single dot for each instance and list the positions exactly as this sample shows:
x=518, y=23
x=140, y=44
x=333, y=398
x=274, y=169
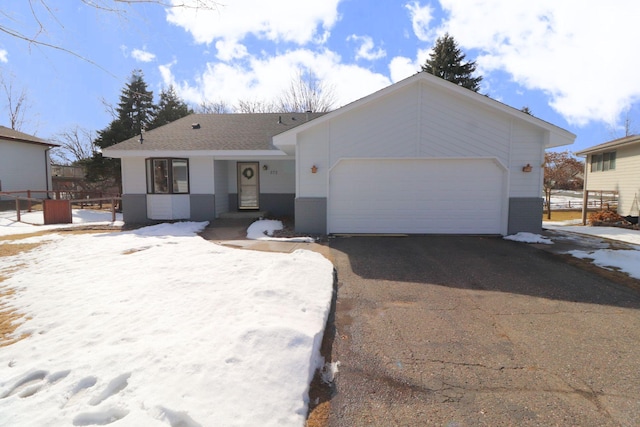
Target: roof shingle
x=218, y=132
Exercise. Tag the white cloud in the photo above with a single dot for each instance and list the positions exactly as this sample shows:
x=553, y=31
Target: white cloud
x=580, y=54
x=142, y=55
x=264, y=79
x=276, y=20
x=4, y=56
x=400, y=68
x=421, y=17
x=230, y=49
x=366, y=49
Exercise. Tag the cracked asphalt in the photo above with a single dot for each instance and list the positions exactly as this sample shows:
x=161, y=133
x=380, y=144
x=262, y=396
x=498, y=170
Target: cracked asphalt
x=479, y=331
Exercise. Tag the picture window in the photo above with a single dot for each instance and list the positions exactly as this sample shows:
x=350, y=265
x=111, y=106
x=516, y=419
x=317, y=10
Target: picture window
x=167, y=176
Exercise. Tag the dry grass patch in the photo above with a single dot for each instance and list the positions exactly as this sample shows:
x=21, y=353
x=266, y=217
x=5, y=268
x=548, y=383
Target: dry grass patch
x=16, y=248
x=562, y=215
x=10, y=319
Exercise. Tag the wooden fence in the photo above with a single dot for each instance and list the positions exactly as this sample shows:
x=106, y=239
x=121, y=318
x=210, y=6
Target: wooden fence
x=56, y=213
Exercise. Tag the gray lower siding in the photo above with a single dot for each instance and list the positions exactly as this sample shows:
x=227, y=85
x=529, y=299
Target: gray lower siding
x=203, y=207
x=525, y=214
x=134, y=209
x=277, y=204
x=311, y=215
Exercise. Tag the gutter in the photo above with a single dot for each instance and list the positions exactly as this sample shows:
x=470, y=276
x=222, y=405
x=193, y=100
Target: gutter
x=47, y=168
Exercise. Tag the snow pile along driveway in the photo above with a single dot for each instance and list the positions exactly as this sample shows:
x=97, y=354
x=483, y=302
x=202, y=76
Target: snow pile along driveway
x=625, y=260
x=158, y=327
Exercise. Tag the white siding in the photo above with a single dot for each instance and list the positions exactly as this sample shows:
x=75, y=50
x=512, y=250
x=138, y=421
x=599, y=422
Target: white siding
x=385, y=128
x=527, y=148
x=625, y=178
x=201, y=175
x=23, y=166
x=454, y=127
x=279, y=178
x=221, y=168
x=168, y=207
x=313, y=149
x=134, y=179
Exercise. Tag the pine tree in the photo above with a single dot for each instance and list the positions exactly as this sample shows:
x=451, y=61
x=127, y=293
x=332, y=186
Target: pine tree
x=169, y=109
x=446, y=61
x=134, y=112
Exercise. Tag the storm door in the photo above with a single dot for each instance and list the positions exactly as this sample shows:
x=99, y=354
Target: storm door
x=248, y=185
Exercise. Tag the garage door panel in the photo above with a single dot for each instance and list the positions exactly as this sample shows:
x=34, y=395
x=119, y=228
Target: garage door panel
x=416, y=196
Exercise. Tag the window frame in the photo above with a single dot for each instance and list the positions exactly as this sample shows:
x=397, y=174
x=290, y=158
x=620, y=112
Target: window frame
x=603, y=162
x=152, y=164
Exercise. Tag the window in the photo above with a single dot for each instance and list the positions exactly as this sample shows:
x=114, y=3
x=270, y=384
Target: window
x=167, y=176
x=603, y=161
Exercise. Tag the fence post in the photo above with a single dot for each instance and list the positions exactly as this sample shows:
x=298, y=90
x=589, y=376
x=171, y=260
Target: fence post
x=18, y=208
x=101, y=195
x=113, y=210
x=29, y=201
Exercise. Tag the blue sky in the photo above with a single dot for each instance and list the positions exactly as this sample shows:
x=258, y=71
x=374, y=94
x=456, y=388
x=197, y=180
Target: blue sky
x=573, y=63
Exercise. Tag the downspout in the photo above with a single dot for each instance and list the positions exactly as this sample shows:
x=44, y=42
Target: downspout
x=47, y=167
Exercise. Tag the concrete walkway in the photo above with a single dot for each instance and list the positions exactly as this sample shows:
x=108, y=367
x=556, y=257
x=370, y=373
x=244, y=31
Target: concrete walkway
x=233, y=233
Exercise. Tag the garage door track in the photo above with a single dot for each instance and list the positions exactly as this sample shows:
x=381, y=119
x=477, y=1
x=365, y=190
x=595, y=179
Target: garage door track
x=475, y=331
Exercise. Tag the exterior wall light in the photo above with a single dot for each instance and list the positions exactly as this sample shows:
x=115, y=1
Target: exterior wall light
x=527, y=168
x=314, y=169
x=265, y=167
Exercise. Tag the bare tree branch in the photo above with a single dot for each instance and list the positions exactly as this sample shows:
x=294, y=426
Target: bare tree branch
x=561, y=171
x=217, y=107
x=307, y=93
x=247, y=106
x=16, y=103
x=75, y=144
x=109, y=6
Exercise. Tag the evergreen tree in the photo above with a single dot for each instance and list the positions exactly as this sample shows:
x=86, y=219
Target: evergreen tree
x=133, y=113
x=170, y=108
x=446, y=61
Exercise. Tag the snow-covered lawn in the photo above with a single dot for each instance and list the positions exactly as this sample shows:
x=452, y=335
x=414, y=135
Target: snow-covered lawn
x=158, y=327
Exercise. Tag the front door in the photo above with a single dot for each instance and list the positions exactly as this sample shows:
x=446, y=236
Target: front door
x=248, y=185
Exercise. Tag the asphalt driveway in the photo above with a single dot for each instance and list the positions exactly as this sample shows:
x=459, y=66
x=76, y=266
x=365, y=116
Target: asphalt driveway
x=467, y=331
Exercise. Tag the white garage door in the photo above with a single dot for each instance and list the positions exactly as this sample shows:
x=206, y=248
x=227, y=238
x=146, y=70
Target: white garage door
x=445, y=196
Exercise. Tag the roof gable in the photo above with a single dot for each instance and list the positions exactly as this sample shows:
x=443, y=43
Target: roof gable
x=557, y=135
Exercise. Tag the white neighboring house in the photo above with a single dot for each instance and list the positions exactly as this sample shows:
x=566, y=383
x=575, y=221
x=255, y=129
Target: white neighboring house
x=420, y=156
x=24, y=162
x=615, y=166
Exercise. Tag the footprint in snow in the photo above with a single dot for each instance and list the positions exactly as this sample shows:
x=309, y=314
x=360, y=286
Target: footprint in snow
x=80, y=389
x=101, y=418
x=115, y=386
x=32, y=382
x=174, y=418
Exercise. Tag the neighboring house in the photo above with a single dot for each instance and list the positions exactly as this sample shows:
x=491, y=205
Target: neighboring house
x=615, y=166
x=24, y=162
x=420, y=156
x=67, y=178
